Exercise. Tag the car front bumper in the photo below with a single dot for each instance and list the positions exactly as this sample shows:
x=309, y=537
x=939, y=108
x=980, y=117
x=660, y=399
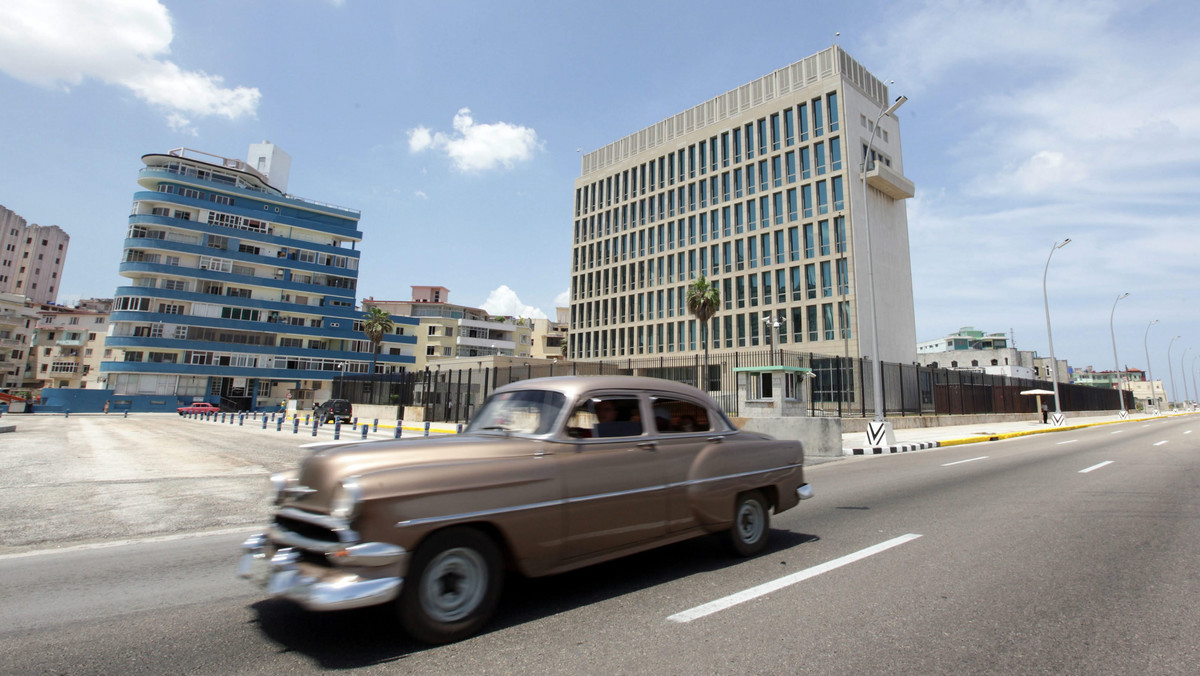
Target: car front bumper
x=289, y=572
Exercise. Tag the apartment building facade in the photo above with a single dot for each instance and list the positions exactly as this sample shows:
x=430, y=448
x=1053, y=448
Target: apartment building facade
x=69, y=345
x=18, y=326
x=237, y=289
x=31, y=257
x=449, y=331
x=759, y=190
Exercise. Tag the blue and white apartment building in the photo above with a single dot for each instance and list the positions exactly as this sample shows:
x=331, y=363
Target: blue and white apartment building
x=238, y=291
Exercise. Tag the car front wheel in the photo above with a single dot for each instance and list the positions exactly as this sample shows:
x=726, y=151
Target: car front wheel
x=452, y=587
x=751, y=524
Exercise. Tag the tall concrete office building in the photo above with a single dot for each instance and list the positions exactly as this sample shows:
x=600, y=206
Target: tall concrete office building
x=31, y=257
x=238, y=290
x=760, y=190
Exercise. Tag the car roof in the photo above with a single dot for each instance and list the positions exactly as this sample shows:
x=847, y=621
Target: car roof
x=574, y=386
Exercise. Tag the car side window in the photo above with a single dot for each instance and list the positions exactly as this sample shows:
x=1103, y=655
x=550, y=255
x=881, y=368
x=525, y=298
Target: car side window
x=679, y=416
x=605, y=416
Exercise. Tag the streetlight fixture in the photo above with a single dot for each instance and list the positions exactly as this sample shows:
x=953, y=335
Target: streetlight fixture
x=774, y=324
x=879, y=430
x=1149, y=368
x=1171, y=371
x=1183, y=375
x=1058, y=416
x=1116, y=362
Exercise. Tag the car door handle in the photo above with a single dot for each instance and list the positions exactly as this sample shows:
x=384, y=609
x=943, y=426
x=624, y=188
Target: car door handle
x=648, y=445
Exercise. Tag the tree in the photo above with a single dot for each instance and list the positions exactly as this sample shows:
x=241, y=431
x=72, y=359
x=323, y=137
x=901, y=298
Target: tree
x=703, y=299
x=376, y=322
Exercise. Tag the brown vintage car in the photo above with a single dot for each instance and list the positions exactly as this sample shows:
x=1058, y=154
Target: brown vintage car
x=551, y=474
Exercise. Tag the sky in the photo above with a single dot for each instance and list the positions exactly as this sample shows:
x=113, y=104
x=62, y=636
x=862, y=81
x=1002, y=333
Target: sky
x=457, y=129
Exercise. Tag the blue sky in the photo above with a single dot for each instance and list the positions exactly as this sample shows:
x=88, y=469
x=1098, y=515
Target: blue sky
x=455, y=129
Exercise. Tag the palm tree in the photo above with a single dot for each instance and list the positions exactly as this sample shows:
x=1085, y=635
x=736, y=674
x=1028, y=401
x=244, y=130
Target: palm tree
x=703, y=299
x=376, y=323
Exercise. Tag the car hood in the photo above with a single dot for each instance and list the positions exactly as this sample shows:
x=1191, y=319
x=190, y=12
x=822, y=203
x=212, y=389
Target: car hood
x=385, y=467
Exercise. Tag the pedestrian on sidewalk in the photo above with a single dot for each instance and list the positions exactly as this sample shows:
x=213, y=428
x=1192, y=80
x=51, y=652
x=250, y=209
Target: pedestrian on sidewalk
x=1045, y=412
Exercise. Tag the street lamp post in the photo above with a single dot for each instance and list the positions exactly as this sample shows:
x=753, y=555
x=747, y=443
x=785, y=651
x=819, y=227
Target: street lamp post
x=1120, y=384
x=1183, y=375
x=879, y=431
x=1058, y=416
x=1171, y=371
x=774, y=324
x=1149, y=368
x=1195, y=392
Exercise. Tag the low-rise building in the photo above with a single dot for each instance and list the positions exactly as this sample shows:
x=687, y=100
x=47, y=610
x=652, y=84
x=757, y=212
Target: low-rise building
x=18, y=325
x=449, y=331
x=972, y=350
x=70, y=344
x=550, y=335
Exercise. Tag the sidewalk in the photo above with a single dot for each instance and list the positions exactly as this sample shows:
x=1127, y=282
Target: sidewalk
x=916, y=439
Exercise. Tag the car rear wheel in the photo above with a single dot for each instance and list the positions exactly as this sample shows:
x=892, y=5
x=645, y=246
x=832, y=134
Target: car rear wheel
x=453, y=586
x=751, y=524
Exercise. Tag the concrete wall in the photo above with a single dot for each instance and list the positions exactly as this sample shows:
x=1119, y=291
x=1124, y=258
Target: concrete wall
x=921, y=421
x=822, y=437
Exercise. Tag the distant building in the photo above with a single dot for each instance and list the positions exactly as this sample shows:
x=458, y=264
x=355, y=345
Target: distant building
x=550, y=335
x=238, y=290
x=70, y=344
x=449, y=331
x=759, y=189
x=1093, y=378
x=972, y=350
x=18, y=326
x=31, y=258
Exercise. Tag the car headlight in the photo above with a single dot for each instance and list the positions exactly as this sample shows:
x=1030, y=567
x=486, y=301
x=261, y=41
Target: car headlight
x=280, y=481
x=346, y=498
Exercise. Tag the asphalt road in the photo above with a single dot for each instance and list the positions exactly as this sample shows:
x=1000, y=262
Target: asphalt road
x=1025, y=556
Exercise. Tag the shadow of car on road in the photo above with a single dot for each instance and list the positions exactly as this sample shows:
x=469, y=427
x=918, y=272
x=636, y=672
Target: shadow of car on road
x=369, y=636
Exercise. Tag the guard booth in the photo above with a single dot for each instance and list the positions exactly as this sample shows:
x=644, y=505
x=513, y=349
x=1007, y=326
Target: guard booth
x=773, y=391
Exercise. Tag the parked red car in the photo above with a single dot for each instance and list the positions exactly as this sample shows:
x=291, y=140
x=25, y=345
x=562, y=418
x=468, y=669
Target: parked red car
x=198, y=407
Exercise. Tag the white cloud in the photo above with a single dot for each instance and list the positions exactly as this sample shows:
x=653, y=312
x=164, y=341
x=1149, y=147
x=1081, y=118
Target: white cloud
x=563, y=299
x=421, y=194
x=477, y=147
x=61, y=43
x=504, y=302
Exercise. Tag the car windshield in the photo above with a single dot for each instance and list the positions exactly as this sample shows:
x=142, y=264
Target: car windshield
x=527, y=412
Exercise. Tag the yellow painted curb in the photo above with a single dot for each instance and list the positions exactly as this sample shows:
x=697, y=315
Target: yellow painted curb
x=1024, y=433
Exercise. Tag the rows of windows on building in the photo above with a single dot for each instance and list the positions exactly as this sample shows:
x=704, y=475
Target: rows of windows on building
x=762, y=194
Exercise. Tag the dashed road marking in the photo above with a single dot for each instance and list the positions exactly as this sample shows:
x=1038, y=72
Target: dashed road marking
x=786, y=581
x=959, y=462
x=1106, y=462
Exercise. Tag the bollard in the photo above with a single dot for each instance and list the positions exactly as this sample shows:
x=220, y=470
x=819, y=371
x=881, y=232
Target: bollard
x=306, y=420
x=126, y=413
x=426, y=428
x=296, y=425
x=232, y=416
x=399, y=424
x=314, y=426
x=279, y=424
x=364, y=432
x=67, y=413
x=354, y=423
x=264, y=422
x=241, y=419
x=375, y=426
x=459, y=429
x=337, y=429
x=222, y=417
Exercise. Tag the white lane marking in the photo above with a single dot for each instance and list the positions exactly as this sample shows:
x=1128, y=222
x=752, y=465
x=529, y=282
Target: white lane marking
x=1066, y=442
x=959, y=462
x=247, y=530
x=1160, y=443
x=786, y=581
x=1116, y=431
x=1106, y=462
x=1187, y=431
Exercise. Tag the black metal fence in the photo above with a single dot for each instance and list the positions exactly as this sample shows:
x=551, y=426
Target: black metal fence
x=841, y=386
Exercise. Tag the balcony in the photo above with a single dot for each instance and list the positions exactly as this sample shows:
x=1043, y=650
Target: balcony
x=890, y=182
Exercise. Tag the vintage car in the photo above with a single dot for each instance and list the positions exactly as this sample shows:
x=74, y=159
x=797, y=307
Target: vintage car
x=198, y=407
x=551, y=474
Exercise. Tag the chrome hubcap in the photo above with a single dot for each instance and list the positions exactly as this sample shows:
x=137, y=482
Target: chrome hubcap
x=454, y=584
x=750, y=521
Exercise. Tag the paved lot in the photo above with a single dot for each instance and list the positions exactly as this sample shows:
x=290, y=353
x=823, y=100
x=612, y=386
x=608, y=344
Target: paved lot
x=90, y=478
